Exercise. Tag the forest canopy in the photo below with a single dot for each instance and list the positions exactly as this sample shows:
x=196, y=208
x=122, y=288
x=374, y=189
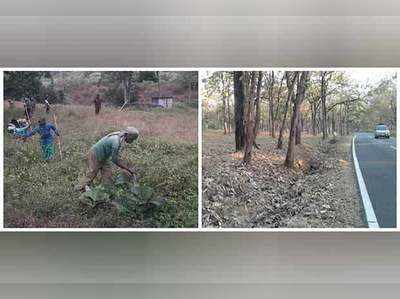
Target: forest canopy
x=292, y=103
x=116, y=87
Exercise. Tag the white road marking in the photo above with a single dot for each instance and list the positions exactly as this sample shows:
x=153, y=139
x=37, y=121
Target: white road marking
x=368, y=208
x=393, y=147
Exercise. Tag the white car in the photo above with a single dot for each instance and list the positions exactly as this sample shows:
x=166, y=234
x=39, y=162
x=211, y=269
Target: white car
x=382, y=131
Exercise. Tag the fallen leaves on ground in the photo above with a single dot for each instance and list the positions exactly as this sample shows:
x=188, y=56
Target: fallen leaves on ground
x=320, y=191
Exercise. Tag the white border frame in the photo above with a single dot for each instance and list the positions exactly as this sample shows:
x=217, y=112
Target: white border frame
x=199, y=229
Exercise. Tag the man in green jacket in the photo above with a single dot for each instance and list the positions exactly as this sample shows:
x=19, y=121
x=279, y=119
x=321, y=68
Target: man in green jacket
x=105, y=151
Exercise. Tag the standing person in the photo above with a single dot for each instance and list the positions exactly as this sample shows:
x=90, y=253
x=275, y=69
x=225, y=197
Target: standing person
x=97, y=104
x=47, y=105
x=11, y=103
x=46, y=132
x=33, y=104
x=28, y=108
x=105, y=151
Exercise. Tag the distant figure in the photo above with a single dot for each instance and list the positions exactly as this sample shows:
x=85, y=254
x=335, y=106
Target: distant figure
x=46, y=131
x=105, y=151
x=47, y=105
x=97, y=104
x=28, y=108
x=33, y=104
x=11, y=104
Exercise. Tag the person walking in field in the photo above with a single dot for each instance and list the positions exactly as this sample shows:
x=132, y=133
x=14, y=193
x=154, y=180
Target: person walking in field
x=33, y=104
x=105, y=151
x=28, y=108
x=97, y=104
x=47, y=106
x=46, y=132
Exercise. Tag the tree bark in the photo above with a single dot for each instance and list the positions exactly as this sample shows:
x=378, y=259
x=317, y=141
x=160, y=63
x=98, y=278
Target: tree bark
x=314, y=118
x=229, y=116
x=290, y=82
x=249, y=79
x=278, y=99
x=257, y=107
x=300, y=94
x=225, y=107
x=239, y=111
x=225, y=104
x=323, y=106
x=271, y=82
x=299, y=129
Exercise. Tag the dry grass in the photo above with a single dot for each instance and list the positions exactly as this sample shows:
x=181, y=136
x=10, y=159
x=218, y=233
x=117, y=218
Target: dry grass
x=39, y=194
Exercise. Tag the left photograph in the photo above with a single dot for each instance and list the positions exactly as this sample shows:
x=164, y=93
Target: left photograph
x=100, y=149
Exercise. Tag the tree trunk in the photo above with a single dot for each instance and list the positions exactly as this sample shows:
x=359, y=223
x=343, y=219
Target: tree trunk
x=257, y=106
x=239, y=103
x=271, y=83
x=333, y=123
x=229, y=115
x=314, y=118
x=278, y=99
x=225, y=107
x=299, y=129
x=323, y=106
x=249, y=79
x=301, y=90
x=290, y=82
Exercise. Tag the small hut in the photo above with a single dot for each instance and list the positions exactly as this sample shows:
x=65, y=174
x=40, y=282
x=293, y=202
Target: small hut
x=162, y=101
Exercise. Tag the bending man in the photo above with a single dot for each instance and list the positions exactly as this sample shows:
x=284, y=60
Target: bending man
x=105, y=151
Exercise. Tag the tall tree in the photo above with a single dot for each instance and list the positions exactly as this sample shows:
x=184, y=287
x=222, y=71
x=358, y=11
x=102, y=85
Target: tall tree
x=291, y=78
x=270, y=87
x=278, y=99
x=257, y=107
x=239, y=109
x=325, y=76
x=249, y=80
x=300, y=94
x=225, y=100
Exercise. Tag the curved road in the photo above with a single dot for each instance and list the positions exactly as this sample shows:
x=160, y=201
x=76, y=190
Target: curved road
x=377, y=160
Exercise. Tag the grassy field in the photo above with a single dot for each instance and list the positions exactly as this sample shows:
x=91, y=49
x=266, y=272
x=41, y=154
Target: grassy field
x=40, y=194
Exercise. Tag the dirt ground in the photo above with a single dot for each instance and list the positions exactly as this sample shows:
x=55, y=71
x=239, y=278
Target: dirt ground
x=321, y=192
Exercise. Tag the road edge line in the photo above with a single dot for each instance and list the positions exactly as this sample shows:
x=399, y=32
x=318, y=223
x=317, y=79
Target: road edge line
x=368, y=208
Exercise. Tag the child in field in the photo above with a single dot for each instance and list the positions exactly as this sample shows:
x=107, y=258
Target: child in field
x=46, y=131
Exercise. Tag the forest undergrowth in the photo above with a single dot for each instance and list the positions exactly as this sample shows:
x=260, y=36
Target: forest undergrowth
x=320, y=191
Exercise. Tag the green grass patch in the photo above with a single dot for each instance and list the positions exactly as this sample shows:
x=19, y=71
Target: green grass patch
x=41, y=194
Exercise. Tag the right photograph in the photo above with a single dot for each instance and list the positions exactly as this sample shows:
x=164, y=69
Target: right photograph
x=299, y=149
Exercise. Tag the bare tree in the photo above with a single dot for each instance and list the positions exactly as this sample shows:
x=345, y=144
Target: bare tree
x=270, y=78
x=300, y=94
x=291, y=78
x=257, y=107
x=249, y=80
x=325, y=76
x=239, y=109
x=225, y=99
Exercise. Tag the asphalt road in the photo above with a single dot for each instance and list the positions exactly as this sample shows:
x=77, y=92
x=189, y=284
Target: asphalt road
x=377, y=159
